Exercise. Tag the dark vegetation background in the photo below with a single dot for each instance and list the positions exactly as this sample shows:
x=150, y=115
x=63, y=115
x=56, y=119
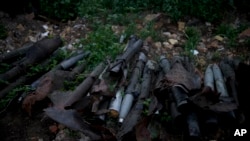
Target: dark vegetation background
x=209, y=10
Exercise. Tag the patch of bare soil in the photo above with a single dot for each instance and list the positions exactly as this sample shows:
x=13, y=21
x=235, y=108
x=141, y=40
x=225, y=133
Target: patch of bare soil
x=15, y=124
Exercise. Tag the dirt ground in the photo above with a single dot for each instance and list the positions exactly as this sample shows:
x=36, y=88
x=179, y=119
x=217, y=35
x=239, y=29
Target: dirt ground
x=15, y=124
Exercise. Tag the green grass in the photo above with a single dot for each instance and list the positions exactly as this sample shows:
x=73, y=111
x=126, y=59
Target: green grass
x=193, y=37
x=149, y=31
x=103, y=44
x=229, y=32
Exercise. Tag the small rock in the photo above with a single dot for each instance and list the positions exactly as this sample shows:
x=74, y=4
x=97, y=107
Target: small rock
x=117, y=29
x=32, y=39
x=208, y=24
x=149, y=39
x=152, y=64
x=68, y=29
x=167, y=45
x=202, y=49
x=213, y=44
x=20, y=27
x=241, y=40
x=139, y=26
x=174, y=36
x=45, y=27
x=168, y=34
x=152, y=17
x=157, y=45
x=201, y=62
x=78, y=26
x=219, y=38
x=220, y=48
x=181, y=26
x=70, y=47
x=172, y=41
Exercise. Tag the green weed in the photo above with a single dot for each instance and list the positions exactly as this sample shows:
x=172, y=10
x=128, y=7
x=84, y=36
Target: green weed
x=131, y=29
x=146, y=104
x=12, y=94
x=72, y=133
x=121, y=18
x=149, y=31
x=193, y=37
x=103, y=44
x=216, y=56
x=230, y=32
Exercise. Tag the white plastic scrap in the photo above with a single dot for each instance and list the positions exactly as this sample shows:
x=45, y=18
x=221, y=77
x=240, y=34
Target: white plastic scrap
x=194, y=51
